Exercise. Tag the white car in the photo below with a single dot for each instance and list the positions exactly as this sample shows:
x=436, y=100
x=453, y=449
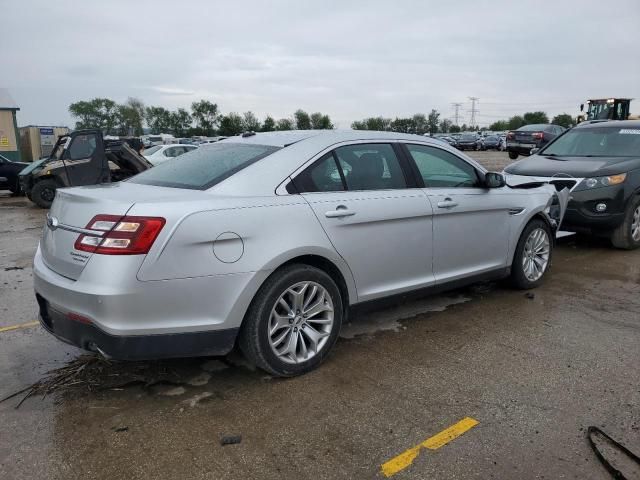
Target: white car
x=161, y=153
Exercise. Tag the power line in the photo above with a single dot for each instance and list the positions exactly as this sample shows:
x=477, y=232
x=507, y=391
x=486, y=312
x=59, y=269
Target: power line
x=474, y=111
x=456, y=115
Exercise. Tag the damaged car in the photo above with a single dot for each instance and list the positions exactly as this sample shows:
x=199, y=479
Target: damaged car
x=268, y=240
x=599, y=162
x=84, y=157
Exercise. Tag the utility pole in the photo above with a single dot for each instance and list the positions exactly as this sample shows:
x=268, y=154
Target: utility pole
x=456, y=116
x=474, y=111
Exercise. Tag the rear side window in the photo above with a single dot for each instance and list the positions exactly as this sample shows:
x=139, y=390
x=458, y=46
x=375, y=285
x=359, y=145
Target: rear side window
x=439, y=168
x=204, y=167
x=373, y=166
x=322, y=176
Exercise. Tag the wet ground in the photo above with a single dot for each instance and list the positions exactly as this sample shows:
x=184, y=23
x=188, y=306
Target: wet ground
x=534, y=372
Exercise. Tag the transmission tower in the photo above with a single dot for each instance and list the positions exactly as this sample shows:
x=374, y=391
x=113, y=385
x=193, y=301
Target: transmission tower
x=474, y=111
x=456, y=115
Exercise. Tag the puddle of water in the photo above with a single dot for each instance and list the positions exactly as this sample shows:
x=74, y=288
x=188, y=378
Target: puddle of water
x=389, y=319
x=193, y=401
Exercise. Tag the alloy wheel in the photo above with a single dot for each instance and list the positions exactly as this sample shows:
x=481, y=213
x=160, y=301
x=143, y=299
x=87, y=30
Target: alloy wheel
x=535, y=256
x=635, y=225
x=301, y=321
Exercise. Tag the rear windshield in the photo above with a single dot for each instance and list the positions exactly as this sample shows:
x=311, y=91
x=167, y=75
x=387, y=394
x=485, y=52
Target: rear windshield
x=596, y=142
x=151, y=150
x=533, y=128
x=203, y=167
x=469, y=136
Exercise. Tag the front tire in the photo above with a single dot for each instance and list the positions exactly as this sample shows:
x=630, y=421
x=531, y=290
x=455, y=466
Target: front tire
x=43, y=193
x=513, y=155
x=293, y=321
x=533, y=255
x=627, y=235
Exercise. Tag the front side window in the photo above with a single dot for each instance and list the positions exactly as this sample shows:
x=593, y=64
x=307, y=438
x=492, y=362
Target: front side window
x=372, y=166
x=205, y=166
x=82, y=146
x=440, y=169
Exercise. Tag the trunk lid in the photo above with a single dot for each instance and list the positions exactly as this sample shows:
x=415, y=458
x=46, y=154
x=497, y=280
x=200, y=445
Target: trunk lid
x=73, y=209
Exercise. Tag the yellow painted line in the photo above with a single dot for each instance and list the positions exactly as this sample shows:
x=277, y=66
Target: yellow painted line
x=406, y=458
x=21, y=325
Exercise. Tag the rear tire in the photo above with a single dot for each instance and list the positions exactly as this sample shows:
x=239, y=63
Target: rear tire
x=627, y=235
x=43, y=193
x=530, y=262
x=275, y=335
x=513, y=155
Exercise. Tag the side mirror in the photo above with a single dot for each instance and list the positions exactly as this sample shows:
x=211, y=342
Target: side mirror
x=494, y=180
x=534, y=151
x=581, y=107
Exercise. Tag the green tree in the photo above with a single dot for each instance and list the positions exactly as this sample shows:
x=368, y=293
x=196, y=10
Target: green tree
x=130, y=117
x=420, y=123
x=320, y=121
x=250, y=122
x=284, y=124
x=433, y=120
x=269, y=124
x=231, y=124
x=402, y=125
x=180, y=122
x=564, y=120
x=303, y=121
x=454, y=129
x=515, y=122
x=99, y=113
x=206, y=116
x=535, y=117
x=499, y=126
x=372, y=123
x=158, y=119
x=445, y=125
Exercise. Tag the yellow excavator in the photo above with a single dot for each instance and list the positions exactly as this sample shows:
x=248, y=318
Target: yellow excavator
x=606, y=109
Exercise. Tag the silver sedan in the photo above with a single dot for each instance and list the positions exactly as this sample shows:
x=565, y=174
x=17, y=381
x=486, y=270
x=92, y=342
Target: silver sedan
x=267, y=240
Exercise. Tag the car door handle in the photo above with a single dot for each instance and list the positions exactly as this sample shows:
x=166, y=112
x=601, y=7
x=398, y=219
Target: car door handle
x=447, y=203
x=339, y=212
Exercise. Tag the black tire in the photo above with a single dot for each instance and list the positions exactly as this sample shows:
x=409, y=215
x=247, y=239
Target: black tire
x=513, y=155
x=254, y=337
x=622, y=237
x=41, y=193
x=518, y=278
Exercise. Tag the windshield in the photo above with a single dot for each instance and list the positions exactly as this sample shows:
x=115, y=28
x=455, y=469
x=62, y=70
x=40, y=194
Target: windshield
x=59, y=148
x=203, y=167
x=151, y=150
x=597, y=142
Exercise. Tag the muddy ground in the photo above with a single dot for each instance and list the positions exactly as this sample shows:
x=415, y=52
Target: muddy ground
x=534, y=372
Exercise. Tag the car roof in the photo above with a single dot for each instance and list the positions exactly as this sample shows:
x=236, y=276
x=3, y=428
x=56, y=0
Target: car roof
x=300, y=146
x=610, y=123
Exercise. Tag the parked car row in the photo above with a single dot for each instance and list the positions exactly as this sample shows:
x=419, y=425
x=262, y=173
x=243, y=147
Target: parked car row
x=522, y=140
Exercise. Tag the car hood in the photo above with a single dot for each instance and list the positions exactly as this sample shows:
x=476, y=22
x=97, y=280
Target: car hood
x=30, y=167
x=545, y=166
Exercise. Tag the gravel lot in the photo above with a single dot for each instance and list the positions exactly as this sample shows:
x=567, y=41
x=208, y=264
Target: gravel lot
x=534, y=371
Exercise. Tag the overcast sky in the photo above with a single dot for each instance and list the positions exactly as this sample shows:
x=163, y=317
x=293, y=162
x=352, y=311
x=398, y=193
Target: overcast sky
x=350, y=59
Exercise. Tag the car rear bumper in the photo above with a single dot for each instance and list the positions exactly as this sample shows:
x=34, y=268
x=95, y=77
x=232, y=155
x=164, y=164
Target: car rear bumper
x=129, y=319
x=521, y=149
x=74, y=331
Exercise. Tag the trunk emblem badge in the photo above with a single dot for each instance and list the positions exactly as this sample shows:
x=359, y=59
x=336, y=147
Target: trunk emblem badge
x=52, y=222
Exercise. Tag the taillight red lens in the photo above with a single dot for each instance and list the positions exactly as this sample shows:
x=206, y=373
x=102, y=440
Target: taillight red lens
x=124, y=235
x=538, y=135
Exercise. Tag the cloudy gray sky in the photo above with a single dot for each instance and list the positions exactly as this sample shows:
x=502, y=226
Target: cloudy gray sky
x=350, y=59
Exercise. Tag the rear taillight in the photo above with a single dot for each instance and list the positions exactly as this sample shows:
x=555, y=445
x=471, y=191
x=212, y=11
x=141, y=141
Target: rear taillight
x=537, y=135
x=511, y=135
x=124, y=235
